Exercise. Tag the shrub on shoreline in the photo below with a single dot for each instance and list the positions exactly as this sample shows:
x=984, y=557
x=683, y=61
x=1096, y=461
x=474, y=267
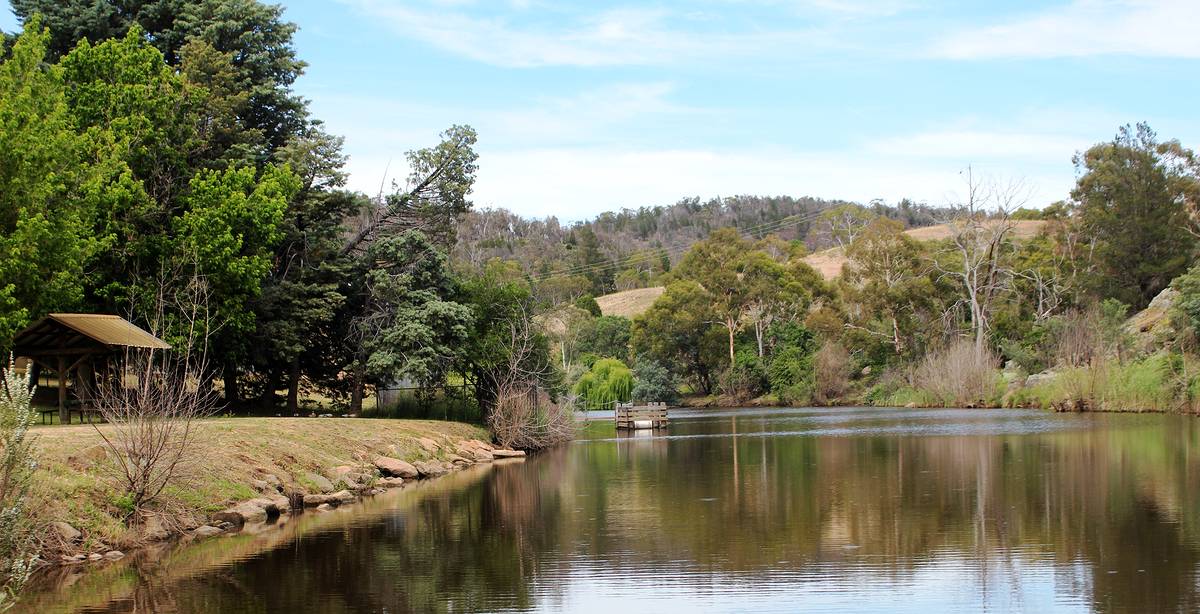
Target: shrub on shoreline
x=17, y=465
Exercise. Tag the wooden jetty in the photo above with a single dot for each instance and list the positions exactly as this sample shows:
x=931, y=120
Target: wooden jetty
x=649, y=416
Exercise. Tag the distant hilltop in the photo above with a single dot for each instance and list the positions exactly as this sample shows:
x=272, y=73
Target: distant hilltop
x=828, y=262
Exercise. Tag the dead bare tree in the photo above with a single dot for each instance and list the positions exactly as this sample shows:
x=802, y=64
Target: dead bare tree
x=980, y=242
x=1050, y=291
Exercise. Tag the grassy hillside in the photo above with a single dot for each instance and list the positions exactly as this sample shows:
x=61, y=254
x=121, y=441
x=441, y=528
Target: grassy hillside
x=631, y=303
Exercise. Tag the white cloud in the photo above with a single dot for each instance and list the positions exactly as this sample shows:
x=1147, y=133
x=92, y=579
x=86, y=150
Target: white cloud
x=1149, y=28
x=573, y=156
x=614, y=37
x=579, y=183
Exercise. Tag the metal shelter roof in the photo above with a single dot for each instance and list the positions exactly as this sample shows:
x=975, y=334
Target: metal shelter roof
x=110, y=331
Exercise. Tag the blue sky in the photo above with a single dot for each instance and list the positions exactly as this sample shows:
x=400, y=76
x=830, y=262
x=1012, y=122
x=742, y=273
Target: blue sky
x=583, y=107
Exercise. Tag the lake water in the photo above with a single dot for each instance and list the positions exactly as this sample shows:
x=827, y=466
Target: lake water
x=781, y=510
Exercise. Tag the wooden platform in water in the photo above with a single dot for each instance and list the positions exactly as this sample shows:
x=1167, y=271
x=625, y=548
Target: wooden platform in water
x=649, y=416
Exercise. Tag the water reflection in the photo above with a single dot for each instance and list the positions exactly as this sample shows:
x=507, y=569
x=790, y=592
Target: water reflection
x=778, y=510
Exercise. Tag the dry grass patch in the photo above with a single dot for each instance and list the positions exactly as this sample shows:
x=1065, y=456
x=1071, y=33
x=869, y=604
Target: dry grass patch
x=629, y=303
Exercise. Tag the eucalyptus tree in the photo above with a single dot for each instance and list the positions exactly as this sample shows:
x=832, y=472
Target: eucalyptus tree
x=680, y=329
x=886, y=285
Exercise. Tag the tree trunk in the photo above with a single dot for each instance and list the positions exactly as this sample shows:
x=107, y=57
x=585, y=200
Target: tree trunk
x=356, y=390
x=730, y=324
x=293, y=395
x=229, y=374
x=269, y=388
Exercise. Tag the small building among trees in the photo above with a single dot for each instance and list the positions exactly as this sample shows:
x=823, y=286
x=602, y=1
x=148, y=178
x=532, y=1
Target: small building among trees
x=76, y=348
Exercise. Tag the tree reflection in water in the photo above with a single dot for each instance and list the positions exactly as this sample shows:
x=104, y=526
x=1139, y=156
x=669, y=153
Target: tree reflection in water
x=1007, y=510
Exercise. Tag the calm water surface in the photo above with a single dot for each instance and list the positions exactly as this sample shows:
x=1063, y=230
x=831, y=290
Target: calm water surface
x=858, y=510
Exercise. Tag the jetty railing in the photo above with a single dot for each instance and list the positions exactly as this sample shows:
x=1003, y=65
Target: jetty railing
x=651, y=415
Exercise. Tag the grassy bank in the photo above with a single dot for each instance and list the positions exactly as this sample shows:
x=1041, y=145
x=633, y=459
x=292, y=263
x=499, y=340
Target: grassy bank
x=1161, y=382
x=232, y=454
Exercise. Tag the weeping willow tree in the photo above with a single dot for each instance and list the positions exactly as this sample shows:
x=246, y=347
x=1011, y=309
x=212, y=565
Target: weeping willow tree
x=608, y=382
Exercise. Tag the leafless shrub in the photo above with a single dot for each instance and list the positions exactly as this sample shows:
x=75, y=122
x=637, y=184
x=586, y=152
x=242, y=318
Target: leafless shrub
x=1077, y=342
x=959, y=374
x=522, y=415
x=152, y=407
x=17, y=464
x=153, y=399
x=1084, y=337
x=831, y=373
x=526, y=419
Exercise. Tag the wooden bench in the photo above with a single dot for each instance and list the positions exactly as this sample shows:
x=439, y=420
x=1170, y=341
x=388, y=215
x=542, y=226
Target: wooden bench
x=72, y=409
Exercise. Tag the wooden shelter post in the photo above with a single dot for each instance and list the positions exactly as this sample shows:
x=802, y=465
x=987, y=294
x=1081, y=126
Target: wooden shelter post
x=63, y=416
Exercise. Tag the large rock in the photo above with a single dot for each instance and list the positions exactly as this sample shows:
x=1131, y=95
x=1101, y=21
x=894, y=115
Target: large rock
x=432, y=469
x=502, y=453
x=429, y=445
x=207, y=531
x=475, y=450
x=321, y=482
x=396, y=468
x=391, y=482
x=1151, y=328
x=315, y=500
x=65, y=531
x=1040, y=378
x=277, y=504
x=481, y=444
x=254, y=510
x=338, y=498
x=460, y=461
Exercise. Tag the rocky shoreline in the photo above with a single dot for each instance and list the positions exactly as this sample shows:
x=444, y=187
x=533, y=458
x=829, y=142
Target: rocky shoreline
x=286, y=495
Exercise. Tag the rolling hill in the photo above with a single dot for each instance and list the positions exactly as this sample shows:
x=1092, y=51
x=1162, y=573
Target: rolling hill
x=631, y=303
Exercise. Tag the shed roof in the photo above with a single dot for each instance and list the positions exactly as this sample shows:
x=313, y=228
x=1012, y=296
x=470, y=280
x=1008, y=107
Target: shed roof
x=108, y=330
